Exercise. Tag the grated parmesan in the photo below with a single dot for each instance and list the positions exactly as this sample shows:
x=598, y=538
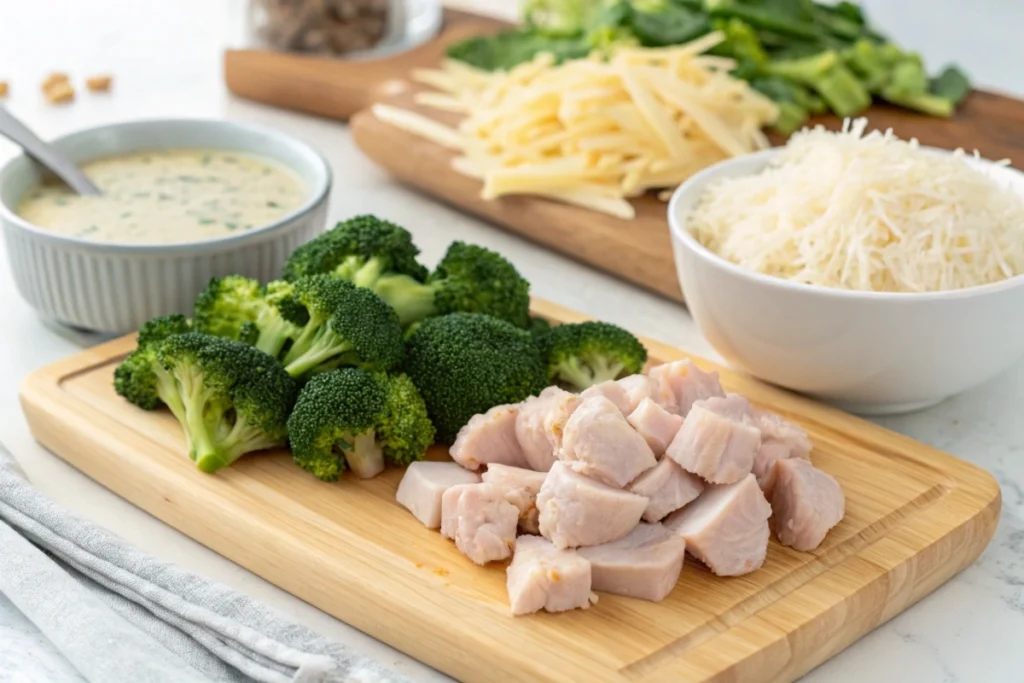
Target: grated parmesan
x=867, y=212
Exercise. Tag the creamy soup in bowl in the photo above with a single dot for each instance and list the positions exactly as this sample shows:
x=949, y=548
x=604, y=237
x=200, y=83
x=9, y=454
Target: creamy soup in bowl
x=166, y=196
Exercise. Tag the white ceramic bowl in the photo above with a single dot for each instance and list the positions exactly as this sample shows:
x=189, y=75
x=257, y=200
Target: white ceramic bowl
x=866, y=352
x=114, y=288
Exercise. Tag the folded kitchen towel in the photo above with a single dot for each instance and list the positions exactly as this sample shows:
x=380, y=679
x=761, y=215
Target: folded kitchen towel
x=121, y=616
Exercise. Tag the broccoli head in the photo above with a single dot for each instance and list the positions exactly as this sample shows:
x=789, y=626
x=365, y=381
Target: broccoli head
x=241, y=309
x=361, y=250
x=358, y=420
x=346, y=326
x=230, y=398
x=466, y=363
x=578, y=356
x=469, y=279
x=134, y=378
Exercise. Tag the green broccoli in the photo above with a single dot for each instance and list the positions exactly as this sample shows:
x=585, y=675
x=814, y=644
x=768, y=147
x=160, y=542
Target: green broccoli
x=578, y=356
x=135, y=377
x=469, y=279
x=345, y=326
x=361, y=250
x=239, y=308
x=825, y=73
x=360, y=420
x=230, y=398
x=467, y=363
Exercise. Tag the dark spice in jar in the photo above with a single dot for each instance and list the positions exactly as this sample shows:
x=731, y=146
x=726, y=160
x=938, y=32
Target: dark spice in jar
x=320, y=26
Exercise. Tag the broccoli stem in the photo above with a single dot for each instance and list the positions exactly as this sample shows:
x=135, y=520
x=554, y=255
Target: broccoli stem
x=369, y=274
x=167, y=390
x=412, y=300
x=239, y=439
x=316, y=345
x=274, y=333
x=195, y=399
x=602, y=370
x=364, y=455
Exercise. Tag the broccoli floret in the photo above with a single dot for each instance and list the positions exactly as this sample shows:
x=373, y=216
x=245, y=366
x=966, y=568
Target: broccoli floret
x=239, y=308
x=467, y=363
x=230, y=398
x=578, y=356
x=356, y=419
x=135, y=377
x=827, y=75
x=361, y=250
x=346, y=326
x=469, y=279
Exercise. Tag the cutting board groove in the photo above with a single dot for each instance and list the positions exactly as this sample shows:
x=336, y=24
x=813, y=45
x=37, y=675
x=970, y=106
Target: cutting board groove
x=915, y=517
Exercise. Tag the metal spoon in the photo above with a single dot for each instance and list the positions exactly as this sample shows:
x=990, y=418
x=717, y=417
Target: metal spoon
x=45, y=154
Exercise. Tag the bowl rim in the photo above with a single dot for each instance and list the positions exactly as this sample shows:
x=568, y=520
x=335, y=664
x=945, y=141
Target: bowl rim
x=697, y=182
x=321, y=189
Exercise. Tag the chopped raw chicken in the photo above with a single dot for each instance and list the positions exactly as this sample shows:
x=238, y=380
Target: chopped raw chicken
x=543, y=577
x=639, y=387
x=489, y=437
x=645, y=564
x=424, y=483
x=687, y=383
x=807, y=503
x=576, y=510
x=726, y=528
x=718, y=440
x=668, y=487
x=521, y=488
x=657, y=425
x=540, y=425
x=780, y=440
x=611, y=390
x=480, y=521
x=600, y=443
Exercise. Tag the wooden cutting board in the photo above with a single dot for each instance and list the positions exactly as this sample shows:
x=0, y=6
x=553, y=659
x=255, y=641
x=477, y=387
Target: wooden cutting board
x=638, y=251
x=915, y=517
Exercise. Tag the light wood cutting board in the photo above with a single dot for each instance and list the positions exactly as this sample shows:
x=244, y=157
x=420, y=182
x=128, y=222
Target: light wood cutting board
x=915, y=517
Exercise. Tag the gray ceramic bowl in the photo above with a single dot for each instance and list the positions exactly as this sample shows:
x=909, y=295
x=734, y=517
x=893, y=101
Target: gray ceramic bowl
x=114, y=288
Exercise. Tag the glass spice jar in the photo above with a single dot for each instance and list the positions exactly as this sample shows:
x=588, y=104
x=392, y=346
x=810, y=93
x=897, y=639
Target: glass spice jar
x=342, y=28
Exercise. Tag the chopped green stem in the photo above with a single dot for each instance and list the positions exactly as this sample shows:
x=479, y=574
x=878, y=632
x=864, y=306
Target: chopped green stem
x=364, y=455
x=369, y=274
x=575, y=374
x=274, y=333
x=310, y=350
x=412, y=300
x=195, y=400
x=602, y=370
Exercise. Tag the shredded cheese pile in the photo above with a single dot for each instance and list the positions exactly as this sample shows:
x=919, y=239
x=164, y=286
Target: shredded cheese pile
x=593, y=132
x=867, y=212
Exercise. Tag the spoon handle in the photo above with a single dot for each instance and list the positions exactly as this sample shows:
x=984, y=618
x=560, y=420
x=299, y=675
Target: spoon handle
x=45, y=154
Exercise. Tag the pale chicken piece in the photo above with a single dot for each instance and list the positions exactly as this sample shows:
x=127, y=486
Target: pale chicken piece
x=644, y=564
x=687, y=383
x=600, y=443
x=611, y=390
x=668, y=487
x=780, y=440
x=489, y=437
x=521, y=488
x=639, y=387
x=718, y=440
x=576, y=510
x=425, y=482
x=657, y=425
x=480, y=521
x=807, y=503
x=540, y=425
x=543, y=577
x=726, y=528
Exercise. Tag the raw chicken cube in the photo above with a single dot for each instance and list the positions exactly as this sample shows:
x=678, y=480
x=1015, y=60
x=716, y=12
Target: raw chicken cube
x=718, y=440
x=687, y=383
x=611, y=390
x=424, y=483
x=600, y=443
x=541, y=423
x=521, y=488
x=780, y=440
x=645, y=564
x=657, y=425
x=480, y=521
x=576, y=510
x=639, y=387
x=489, y=437
x=726, y=528
x=543, y=577
x=807, y=503
x=668, y=487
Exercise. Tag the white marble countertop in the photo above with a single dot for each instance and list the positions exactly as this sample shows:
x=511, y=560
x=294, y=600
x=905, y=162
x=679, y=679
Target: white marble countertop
x=166, y=60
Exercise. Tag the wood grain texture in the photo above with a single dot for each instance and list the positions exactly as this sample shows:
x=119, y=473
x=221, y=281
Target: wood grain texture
x=915, y=517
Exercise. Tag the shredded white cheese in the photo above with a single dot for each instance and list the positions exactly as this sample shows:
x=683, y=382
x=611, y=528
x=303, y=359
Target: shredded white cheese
x=868, y=212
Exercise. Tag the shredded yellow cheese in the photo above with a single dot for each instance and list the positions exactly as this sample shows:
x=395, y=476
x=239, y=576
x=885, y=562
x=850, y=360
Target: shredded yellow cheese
x=592, y=132
x=867, y=212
